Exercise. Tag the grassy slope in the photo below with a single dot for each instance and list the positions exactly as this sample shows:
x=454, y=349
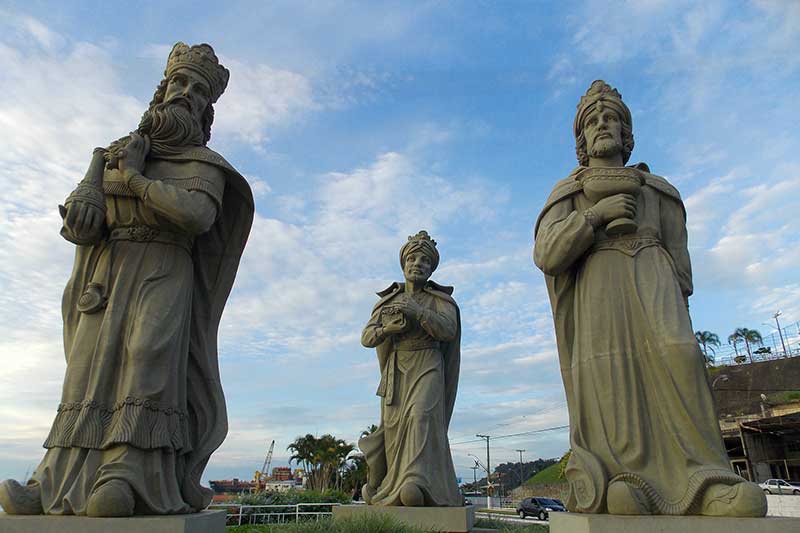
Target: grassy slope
x=548, y=475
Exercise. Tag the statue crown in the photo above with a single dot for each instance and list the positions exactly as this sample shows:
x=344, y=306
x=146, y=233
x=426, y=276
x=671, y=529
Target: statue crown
x=599, y=90
x=201, y=59
x=422, y=236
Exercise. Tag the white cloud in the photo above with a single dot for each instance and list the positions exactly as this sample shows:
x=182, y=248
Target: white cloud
x=258, y=98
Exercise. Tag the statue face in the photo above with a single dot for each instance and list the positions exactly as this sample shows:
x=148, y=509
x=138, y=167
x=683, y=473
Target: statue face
x=418, y=266
x=186, y=88
x=603, y=130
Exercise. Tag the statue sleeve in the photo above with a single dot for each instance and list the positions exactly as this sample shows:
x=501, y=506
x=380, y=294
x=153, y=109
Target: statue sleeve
x=193, y=210
x=563, y=236
x=441, y=321
x=673, y=235
x=372, y=335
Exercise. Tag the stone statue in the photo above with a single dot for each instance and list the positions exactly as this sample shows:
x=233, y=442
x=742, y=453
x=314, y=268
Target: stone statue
x=416, y=328
x=160, y=222
x=611, y=241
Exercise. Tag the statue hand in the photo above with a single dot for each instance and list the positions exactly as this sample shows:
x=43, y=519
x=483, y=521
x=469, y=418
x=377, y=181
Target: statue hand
x=83, y=220
x=614, y=207
x=132, y=157
x=395, y=326
x=409, y=307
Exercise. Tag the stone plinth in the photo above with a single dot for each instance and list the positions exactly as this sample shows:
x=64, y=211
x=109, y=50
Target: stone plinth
x=603, y=523
x=205, y=522
x=450, y=519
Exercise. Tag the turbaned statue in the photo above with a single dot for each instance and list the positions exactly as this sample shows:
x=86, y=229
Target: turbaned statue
x=416, y=328
x=160, y=223
x=611, y=241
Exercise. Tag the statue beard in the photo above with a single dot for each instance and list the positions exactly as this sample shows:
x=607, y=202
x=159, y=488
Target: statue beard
x=606, y=147
x=172, y=128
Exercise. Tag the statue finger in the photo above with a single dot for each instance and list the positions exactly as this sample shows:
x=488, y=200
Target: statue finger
x=97, y=221
x=72, y=214
x=80, y=222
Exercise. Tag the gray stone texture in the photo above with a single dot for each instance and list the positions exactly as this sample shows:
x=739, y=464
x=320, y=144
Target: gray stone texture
x=612, y=243
x=600, y=523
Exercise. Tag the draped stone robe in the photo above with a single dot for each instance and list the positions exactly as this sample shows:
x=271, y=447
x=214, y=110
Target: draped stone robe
x=640, y=407
x=419, y=377
x=141, y=396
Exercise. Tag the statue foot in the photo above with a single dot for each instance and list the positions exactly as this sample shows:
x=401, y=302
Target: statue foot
x=367, y=493
x=20, y=499
x=624, y=499
x=742, y=499
x=111, y=499
x=411, y=496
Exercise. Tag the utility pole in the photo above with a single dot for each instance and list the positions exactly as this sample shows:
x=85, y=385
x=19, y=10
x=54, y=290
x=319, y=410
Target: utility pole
x=780, y=333
x=475, y=476
x=488, y=473
x=521, y=479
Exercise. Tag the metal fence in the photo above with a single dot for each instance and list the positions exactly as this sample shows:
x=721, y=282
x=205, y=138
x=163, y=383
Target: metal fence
x=238, y=515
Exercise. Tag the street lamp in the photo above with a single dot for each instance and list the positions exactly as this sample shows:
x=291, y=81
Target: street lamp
x=721, y=377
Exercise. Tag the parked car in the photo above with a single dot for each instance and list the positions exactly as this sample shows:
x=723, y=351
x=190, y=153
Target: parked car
x=779, y=486
x=539, y=507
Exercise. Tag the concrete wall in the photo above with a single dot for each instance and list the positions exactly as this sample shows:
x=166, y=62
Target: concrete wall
x=783, y=505
x=543, y=490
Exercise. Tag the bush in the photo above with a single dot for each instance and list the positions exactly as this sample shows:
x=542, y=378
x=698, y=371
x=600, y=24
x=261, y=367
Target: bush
x=360, y=524
x=293, y=497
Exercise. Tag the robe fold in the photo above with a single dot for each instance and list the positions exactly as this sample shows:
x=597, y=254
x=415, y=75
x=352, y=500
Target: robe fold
x=419, y=379
x=640, y=407
x=142, y=399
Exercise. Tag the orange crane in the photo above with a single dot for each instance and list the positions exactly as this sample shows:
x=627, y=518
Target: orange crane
x=262, y=475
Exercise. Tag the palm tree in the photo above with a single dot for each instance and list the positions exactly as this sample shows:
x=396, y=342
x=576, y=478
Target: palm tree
x=734, y=339
x=706, y=339
x=749, y=336
x=322, y=458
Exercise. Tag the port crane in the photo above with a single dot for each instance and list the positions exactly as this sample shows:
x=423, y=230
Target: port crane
x=261, y=476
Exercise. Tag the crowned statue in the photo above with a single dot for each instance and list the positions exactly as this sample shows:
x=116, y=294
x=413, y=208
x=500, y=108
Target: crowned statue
x=160, y=222
x=611, y=241
x=416, y=328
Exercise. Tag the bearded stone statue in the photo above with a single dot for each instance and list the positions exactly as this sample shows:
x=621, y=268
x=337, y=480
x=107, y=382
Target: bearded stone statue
x=611, y=241
x=160, y=223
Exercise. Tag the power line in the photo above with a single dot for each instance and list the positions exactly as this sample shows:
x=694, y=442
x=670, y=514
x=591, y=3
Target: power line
x=554, y=428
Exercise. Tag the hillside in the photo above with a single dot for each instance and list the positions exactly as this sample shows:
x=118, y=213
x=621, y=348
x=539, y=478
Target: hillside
x=548, y=475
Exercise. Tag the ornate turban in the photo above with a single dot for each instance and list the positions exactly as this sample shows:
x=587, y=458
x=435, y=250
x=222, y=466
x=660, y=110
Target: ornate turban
x=600, y=94
x=421, y=241
x=201, y=59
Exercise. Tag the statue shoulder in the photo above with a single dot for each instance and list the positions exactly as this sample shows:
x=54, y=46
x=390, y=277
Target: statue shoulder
x=657, y=182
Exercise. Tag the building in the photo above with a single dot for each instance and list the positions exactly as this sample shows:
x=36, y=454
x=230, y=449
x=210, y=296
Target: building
x=281, y=473
x=759, y=415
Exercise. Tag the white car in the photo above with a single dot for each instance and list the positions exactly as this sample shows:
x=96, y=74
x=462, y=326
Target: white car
x=779, y=486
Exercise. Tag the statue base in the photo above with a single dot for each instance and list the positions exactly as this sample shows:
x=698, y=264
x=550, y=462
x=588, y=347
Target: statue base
x=450, y=519
x=203, y=522
x=606, y=523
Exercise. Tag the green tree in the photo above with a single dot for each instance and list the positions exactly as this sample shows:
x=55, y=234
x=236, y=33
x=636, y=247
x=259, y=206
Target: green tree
x=707, y=340
x=322, y=458
x=749, y=336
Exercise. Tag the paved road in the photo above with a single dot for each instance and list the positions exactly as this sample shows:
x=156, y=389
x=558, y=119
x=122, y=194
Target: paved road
x=510, y=518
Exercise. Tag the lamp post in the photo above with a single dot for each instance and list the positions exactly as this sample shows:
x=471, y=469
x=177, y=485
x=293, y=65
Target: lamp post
x=488, y=473
x=780, y=333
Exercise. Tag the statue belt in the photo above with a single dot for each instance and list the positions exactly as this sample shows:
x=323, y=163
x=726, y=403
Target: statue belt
x=416, y=344
x=386, y=387
x=150, y=234
x=629, y=245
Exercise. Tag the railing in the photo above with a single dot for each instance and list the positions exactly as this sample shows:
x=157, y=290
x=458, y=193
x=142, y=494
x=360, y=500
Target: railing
x=238, y=515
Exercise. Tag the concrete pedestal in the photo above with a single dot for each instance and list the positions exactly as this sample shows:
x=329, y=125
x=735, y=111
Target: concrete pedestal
x=450, y=519
x=603, y=523
x=205, y=522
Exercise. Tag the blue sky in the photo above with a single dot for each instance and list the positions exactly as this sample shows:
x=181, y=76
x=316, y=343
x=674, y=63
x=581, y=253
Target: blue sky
x=359, y=124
